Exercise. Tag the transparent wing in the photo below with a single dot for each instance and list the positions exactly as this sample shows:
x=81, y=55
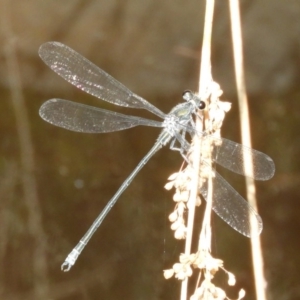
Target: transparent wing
x=230, y=206
x=82, y=73
x=83, y=118
x=230, y=155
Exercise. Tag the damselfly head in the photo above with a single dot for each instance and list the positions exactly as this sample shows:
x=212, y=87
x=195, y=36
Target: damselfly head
x=189, y=96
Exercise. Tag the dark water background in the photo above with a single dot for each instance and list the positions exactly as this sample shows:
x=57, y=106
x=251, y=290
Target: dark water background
x=53, y=182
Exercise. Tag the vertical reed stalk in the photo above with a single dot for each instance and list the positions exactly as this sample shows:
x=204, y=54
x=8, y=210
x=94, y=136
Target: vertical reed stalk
x=204, y=80
x=257, y=258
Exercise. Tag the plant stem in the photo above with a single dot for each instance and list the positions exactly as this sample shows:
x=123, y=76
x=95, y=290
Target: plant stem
x=204, y=80
x=257, y=258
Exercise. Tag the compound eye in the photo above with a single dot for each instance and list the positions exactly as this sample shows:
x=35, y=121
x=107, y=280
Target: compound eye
x=187, y=95
x=202, y=105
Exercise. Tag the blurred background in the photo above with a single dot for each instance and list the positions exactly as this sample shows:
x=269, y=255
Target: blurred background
x=54, y=182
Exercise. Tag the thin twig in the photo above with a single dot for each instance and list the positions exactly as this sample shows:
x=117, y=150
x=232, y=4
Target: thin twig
x=257, y=258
